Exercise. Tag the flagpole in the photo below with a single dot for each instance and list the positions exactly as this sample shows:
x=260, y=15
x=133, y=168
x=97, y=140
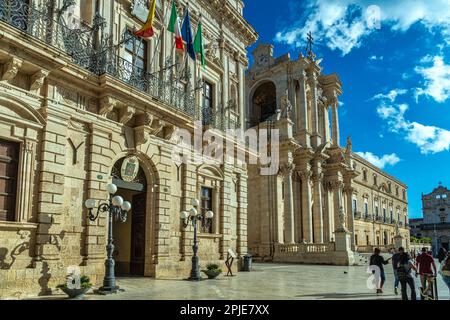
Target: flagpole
x=159, y=37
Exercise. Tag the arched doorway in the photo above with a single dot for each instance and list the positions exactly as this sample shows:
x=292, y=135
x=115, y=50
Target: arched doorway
x=264, y=102
x=130, y=237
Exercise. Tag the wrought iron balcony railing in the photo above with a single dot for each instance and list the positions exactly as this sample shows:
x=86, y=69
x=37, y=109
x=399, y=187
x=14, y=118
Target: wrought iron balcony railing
x=89, y=48
x=219, y=120
x=357, y=214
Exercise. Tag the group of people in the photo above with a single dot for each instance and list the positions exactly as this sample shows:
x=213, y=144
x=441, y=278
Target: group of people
x=403, y=265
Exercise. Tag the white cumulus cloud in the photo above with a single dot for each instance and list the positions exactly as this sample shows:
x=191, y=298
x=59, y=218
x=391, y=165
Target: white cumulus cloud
x=381, y=162
x=436, y=78
x=343, y=24
x=429, y=139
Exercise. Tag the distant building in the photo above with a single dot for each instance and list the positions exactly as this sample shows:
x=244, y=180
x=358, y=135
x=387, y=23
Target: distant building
x=416, y=227
x=436, y=217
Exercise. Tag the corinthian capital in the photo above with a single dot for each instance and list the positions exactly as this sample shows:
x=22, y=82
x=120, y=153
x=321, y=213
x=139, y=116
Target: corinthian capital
x=305, y=175
x=286, y=170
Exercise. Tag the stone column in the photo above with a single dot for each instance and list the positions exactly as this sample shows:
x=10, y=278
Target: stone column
x=289, y=224
x=316, y=137
x=326, y=122
x=302, y=112
x=328, y=221
x=306, y=206
x=318, y=209
x=337, y=199
x=350, y=215
x=334, y=105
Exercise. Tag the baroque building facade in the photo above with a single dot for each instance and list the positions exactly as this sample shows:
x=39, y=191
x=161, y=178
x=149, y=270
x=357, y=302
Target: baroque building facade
x=79, y=96
x=321, y=187
x=436, y=217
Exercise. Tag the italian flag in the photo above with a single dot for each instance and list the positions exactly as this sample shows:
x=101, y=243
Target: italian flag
x=147, y=29
x=174, y=27
x=198, y=43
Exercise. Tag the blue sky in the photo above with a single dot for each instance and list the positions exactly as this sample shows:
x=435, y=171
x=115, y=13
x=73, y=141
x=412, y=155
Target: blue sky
x=393, y=58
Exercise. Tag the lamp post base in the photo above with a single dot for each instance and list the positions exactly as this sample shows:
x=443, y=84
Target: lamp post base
x=109, y=290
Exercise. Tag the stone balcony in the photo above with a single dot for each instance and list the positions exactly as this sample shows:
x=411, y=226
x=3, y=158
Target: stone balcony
x=358, y=215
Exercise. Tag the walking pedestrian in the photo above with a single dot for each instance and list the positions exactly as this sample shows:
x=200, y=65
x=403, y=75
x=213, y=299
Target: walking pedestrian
x=377, y=260
x=404, y=269
x=395, y=260
x=442, y=254
x=445, y=270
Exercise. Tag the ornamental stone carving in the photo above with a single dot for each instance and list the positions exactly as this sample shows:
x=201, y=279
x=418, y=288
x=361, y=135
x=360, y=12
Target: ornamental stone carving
x=107, y=105
x=37, y=79
x=11, y=68
x=126, y=114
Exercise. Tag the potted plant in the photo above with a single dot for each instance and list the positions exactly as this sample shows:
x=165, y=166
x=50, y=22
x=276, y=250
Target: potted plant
x=212, y=270
x=73, y=290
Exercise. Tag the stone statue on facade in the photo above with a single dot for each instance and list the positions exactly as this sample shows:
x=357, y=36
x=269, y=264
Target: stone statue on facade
x=286, y=106
x=342, y=218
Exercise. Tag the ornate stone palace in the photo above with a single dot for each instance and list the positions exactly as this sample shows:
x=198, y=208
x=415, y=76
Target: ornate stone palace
x=79, y=96
x=324, y=195
x=436, y=218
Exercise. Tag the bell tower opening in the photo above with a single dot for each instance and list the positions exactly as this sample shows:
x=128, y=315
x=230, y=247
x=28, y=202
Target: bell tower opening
x=264, y=103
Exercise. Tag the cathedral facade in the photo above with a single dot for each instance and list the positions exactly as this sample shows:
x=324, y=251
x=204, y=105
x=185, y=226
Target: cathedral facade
x=321, y=187
x=81, y=99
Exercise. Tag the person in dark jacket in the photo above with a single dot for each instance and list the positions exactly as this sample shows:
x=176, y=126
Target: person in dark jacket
x=377, y=260
x=442, y=254
x=404, y=273
x=395, y=259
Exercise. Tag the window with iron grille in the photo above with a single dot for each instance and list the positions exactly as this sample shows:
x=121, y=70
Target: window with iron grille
x=207, y=102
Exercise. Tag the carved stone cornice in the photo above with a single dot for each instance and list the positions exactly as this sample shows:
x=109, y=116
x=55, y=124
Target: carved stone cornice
x=11, y=68
x=37, y=79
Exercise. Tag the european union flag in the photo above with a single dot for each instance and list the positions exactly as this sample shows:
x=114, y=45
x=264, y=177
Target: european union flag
x=186, y=32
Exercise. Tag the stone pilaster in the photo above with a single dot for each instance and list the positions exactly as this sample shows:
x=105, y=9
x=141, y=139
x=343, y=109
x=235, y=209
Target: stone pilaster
x=51, y=188
x=289, y=223
x=225, y=212
x=97, y=178
x=189, y=191
x=242, y=215
x=337, y=200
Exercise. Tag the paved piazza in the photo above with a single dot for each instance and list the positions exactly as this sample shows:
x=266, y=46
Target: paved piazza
x=266, y=281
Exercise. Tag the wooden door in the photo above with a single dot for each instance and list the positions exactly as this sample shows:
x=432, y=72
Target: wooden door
x=9, y=155
x=137, y=259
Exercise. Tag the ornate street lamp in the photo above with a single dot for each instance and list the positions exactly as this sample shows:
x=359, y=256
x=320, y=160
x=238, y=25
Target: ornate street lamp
x=194, y=216
x=117, y=208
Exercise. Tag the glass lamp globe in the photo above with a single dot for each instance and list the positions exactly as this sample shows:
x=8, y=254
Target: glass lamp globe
x=90, y=203
x=112, y=188
x=195, y=202
x=126, y=206
x=193, y=212
x=117, y=201
x=184, y=215
x=209, y=214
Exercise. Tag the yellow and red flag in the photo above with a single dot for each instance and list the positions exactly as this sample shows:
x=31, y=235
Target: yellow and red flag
x=147, y=29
